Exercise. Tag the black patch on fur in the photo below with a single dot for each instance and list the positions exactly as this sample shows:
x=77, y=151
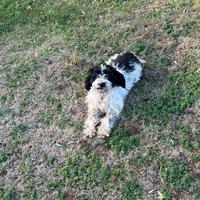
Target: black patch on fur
x=92, y=75
x=115, y=77
x=126, y=61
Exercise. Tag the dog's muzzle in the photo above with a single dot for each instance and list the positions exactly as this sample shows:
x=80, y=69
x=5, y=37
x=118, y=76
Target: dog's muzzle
x=101, y=86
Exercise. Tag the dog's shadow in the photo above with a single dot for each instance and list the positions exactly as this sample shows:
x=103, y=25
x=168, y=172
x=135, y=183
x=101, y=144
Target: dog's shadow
x=143, y=91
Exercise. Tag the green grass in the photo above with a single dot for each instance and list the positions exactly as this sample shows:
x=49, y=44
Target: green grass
x=46, y=50
x=196, y=159
x=122, y=140
x=145, y=156
x=176, y=174
x=7, y=194
x=63, y=122
x=53, y=184
x=4, y=111
x=180, y=91
x=81, y=169
x=53, y=113
x=30, y=192
x=131, y=190
x=3, y=98
x=21, y=128
x=138, y=46
x=48, y=159
x=177, y=177
x=84, y=169
x=3, y=156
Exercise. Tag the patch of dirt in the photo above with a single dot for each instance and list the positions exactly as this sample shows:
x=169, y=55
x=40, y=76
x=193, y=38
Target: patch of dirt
x=134, y=127
x=68, y=195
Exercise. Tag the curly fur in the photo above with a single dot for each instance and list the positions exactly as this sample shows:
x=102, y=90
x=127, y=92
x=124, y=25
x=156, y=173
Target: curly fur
x=108, y=86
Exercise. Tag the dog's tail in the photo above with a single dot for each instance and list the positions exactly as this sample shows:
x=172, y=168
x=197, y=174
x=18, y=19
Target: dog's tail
x=141, y=60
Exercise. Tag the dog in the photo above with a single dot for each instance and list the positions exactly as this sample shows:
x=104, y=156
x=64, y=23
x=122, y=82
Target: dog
x=108, y=85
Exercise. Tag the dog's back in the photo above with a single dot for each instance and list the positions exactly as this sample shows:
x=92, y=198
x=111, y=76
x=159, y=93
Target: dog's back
x=129, y=65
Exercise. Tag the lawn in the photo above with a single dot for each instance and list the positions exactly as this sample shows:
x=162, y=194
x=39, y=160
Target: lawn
x=46, y=48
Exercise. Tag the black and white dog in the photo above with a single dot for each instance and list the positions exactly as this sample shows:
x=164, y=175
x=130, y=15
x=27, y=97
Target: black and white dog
x=108, y=86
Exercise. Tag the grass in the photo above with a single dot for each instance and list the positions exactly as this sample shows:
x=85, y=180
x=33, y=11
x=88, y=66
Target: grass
x=121, y=140
x=5, y=111
x=175, y=98
x=175, y=173
x=46, y=50
x=3, y=156
x=131, y=190
x=7, y=194
x=30, y=193
x=84, y=169
x=177, y=176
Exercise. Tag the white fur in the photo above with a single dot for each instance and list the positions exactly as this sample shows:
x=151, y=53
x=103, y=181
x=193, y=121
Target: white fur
x=105, y=107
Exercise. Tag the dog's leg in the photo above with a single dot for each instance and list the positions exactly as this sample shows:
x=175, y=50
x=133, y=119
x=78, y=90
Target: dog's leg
x=90, y=124
x=106, y=125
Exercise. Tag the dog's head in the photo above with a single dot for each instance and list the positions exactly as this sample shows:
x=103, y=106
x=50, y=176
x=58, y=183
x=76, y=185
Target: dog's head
x=102, y=78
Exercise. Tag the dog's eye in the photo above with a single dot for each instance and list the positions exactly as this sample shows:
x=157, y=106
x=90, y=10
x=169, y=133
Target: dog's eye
x=97, y=71
x=107, y=74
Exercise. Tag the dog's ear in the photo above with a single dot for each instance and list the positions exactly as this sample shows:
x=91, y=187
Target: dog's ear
x=116, y=78
x=88, y=82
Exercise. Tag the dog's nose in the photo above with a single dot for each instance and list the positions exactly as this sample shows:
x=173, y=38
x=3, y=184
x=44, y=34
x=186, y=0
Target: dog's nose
x=102, y=85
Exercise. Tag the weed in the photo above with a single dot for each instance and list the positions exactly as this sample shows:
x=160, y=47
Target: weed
x=131, y=190
x=30, y=193
x=3, y=156
x=84, y=197
x=69, y=98
x=21, y=128
x=53, y=184
x=60, y=195
x=81, y=169
x=45, y=117
x=63, y=122
x=164, y=194
x=3, y=98
x=138, y=46
x=17, y=135
x=121, y=140
x=164, y=61
x=185, y=141
x=184, y=128
x=168, y=27
x=196, y=159
x=146, y=155
x=24, y=104
x=78, y=125
x=118, y=171
x=4, y=111
x=6, y=194
x=48, y=159
x=176, y=174
x=24, y=168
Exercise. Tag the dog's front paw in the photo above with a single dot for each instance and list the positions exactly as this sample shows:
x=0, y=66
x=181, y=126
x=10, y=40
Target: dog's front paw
x=88, y=133
x=103, y=133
